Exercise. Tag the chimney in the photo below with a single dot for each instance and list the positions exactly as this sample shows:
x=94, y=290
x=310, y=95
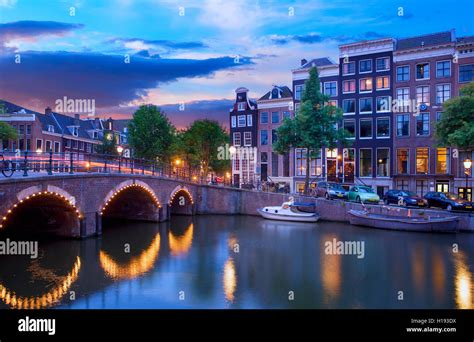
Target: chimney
x=303, y=62
x=48, y=111
x=77, y=117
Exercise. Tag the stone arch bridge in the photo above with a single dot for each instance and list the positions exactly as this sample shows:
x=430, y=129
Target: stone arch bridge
x=75, y=205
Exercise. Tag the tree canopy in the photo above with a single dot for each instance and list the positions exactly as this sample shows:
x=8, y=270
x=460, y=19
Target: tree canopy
x=314, y=126
x=7, y=132
x=456, y=127
x=198, y=145
x=151, y=134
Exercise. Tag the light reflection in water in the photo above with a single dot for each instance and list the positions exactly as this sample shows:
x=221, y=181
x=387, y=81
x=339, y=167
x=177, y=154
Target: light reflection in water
x=330, y=271
x=136, y=267
x=181, y=244
x=229, y=280
x=438, y=273
x=463, y=283
x=46, y=300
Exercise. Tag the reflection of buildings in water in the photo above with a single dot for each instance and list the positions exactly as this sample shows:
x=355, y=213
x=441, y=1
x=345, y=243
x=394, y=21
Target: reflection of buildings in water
x=181, y=244
x=46, y=300
x=463, y=282
x=330, y=270
x=229, y=279
x=418, y=264
x=136, y=267
x=438, y=273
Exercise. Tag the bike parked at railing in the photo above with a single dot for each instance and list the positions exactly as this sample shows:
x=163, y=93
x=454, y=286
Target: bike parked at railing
x=6, y=166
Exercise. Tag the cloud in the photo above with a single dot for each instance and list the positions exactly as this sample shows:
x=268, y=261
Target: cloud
x=314, y=38
x=32, y=30
x=7, y=3
x=139, y=44
x=105, y=78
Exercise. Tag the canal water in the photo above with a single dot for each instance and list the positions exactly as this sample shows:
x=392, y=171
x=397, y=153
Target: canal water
x=242, y=262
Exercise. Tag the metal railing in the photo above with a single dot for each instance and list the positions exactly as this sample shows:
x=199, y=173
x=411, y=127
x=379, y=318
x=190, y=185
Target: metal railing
x=25, y=163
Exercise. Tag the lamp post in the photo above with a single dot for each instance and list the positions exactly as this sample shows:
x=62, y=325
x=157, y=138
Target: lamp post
x=467, y=168
x=120, y=151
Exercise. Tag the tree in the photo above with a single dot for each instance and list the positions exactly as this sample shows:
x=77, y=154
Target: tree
x=109, y=144
x=151, y=134
x=7, y=132
x=314, y=126
x=456, y=127
x=200, y=145
x=186, y=150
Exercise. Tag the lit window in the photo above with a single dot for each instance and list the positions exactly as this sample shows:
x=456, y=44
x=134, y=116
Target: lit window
x=422, y=71
x=383, y=82
x=348, y=86
x=365, y=85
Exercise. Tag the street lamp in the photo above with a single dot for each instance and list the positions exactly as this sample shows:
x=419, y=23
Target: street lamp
x=120, y=151
x=467, y=166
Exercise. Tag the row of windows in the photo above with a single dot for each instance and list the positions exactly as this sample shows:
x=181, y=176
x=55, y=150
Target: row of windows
x=241, y=121
x=365, y=162
x=422, y=124
x=78, y=145
x=237, y=139
x=382, y=105
x=422, y=158
x=423, y=94
x=21, y=129
x=365, y=85
x=365, y=66
x=275, y=117
x=382, y=128
x=47, y=146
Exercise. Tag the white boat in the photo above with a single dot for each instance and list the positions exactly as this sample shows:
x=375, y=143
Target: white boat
x=289, y=211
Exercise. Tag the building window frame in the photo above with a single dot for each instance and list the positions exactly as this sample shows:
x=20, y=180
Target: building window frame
x=403, y=74
x=386, y=64
x=249, y=120
x=247, y=138
x=416, y=71
x=332, y=88
x=445, y=93
x=351, y=81
x=361, y=158
x=387, y=162
x=236, y=139
x=384, y=86
x=365, y=82
x=425, y=157
x=343, y=107
x=241, y=122
x=347, y=73
x=443, y=69
x=371, y=128
x=424, y=124
x=377, y=127
x=371, y=105
x=407, y=156
x=233, y=121
x=369, y=70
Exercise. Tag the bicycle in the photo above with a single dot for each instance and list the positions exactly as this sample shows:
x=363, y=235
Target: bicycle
x=6, y=166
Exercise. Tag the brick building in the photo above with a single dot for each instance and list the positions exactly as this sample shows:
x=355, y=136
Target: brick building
x=273, y=108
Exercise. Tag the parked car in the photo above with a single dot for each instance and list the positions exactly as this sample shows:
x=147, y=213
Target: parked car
x=330, y=190
x=403, y=197
x=362, y=194
x=448, y=201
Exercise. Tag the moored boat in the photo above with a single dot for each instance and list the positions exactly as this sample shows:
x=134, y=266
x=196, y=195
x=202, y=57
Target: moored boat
x=414, y=224
x=290, y=211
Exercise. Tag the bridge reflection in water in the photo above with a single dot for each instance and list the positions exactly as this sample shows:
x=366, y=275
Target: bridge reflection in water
x=241, y=262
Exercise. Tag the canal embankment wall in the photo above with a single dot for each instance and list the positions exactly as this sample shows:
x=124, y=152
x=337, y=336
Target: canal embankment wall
x=218, y=200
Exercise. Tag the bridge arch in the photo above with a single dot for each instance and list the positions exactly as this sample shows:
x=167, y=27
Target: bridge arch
x=181, y=201
x=53, y=210
x=133, y=200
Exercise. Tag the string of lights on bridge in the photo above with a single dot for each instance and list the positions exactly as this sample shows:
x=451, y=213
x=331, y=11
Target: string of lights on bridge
x=62, y=198
x=190, y=197
x=134, y=185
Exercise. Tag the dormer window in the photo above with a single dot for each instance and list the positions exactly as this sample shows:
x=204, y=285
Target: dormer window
x=74, y=130
x=95, y=135
x=51, y=128
x=241, y=106
x=275, y=93
x=125, y=129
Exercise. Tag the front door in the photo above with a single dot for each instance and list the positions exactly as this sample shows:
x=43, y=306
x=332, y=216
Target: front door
x=332, y=170
x=264, y=172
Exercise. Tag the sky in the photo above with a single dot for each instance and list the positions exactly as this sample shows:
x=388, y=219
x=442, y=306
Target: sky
x=188, y=57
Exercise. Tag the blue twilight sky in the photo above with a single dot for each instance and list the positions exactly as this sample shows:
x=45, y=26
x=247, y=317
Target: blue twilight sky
x=185, y=51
